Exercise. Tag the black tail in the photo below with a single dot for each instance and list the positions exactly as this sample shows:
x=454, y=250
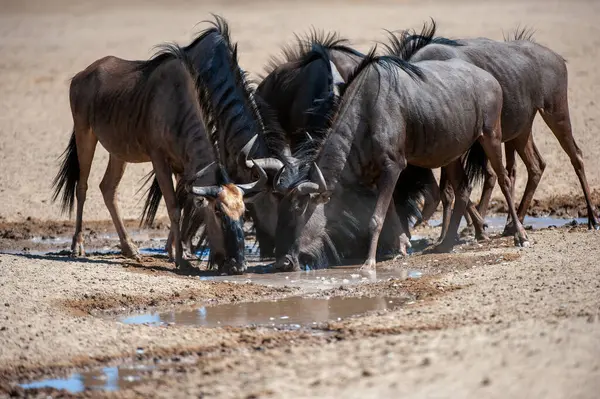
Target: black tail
x=475, y=163
x=152, y=202
x=413, y=184
x=67, y=177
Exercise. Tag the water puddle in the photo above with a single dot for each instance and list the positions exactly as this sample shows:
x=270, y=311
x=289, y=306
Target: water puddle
x=317, y=279
x=104, y=379
x=287, y=313
x=496, y=223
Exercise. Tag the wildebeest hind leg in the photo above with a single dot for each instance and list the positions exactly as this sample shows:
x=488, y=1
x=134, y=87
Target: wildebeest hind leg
x=492, y=145
x=535, y=165
x=559, y=121
x=86, y=147
x=108, y=186
x=386, y=184
x=447, y=197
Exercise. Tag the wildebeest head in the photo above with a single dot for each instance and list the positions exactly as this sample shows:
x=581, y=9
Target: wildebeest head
x=223, y=214
x=300, y=212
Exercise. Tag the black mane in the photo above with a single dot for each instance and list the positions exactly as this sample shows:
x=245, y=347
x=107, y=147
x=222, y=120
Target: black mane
x=385, y=61
x=408, y=42
x=302, y=51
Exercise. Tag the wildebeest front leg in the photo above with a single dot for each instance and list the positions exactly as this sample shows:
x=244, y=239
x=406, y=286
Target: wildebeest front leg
x=108, y=186
x=492, y=145
x=458, y=179
x=163, y=175
x=386, y=184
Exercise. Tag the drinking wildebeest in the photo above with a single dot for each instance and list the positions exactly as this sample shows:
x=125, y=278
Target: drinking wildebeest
x=304, y=89
x=151, y=111
x=533, y=79
x=238, y=123
x=395, y=112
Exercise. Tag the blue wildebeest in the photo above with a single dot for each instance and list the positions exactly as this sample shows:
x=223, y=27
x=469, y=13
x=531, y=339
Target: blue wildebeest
x=151, y=111
x=392, y=113
x=237, y=123
x=533, y=79
x=303, y=89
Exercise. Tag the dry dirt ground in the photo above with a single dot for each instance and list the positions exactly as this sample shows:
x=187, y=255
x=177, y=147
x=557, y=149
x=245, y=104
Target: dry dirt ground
x=486, y=321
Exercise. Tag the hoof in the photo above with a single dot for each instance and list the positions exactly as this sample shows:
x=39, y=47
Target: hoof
x=184, y=265
x=482, y=237
x=131, y=251
x=521, y=240
x=439, y=248
x=368, y=265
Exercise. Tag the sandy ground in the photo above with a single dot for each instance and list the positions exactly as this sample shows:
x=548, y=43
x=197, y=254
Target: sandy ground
x=43, y=44
x=486, y=321
x=489, y=320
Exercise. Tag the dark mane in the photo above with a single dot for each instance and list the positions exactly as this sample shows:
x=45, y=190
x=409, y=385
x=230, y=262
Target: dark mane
x=300, y=51
x=310, y=150
x=524, y=33
x=408, y=42
x=386, y=61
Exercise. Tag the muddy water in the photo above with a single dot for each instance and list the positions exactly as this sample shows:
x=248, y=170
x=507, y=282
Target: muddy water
x=152, y=242
x=496, y=223
x=104, y=379
x=293, y=312
x=315, y=280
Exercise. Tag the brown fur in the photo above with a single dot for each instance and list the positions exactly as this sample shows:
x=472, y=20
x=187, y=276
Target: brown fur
x=232, y=201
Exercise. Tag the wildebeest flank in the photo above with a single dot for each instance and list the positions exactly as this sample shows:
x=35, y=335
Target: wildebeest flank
x=533, y=79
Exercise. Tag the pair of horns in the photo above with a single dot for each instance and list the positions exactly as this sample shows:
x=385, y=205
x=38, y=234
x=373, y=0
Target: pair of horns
x=248, y=188
x=270, y=164
x=317, y=185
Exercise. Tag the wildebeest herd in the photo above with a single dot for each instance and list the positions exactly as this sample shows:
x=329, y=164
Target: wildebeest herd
x=331, y=154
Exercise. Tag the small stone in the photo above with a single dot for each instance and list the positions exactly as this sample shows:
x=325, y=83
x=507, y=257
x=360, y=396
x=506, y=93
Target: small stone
x=486, y=381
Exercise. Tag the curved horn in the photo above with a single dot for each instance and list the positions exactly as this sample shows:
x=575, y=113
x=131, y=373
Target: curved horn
x=320, y=180
x=277, y=184
x=245, y=151
x=257, y=185
x=307, y=188
x=271, y=164
x=313, y=187
x=206, y=191
x=205, y=170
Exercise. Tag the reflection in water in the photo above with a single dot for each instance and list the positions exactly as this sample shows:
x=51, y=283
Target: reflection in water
x=104, y=379
x=289, y=312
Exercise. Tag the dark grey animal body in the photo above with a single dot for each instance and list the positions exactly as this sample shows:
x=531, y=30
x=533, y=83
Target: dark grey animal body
x=393, y=113
x=304, y=90
x=151, y=111
x=533, y=79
